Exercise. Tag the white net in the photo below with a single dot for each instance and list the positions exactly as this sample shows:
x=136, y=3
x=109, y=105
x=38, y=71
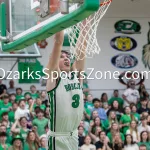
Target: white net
x=82, y=36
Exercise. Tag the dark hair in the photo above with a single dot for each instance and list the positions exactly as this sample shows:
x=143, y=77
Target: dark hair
x=12, y=94
x=95, y=100
x=22, y=118
x=4, y=114
x=29, y=99
x=80, y=127
x=15, y=103
x=115, y=91
x=66, y=52
x=143, y=99
x=2, y=125
x=86, y=137
x=3, y=134
x=19, y=89
x=103, y=96
x=101, y=132
x=21, y=101
x=36, y=142
x=125, y=142
x=93, y=128
x=5, y=97
x=36, y=109
x=142, y=145
x=131, y=106
x=46, y=127
x=32, y=86
x=142, y=138
x=40, y=111
x=131, y=115
x=119, y=107
x=143, y=118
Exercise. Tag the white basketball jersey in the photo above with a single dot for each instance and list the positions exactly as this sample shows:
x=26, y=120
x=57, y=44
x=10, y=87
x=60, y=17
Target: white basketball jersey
x=66, y=104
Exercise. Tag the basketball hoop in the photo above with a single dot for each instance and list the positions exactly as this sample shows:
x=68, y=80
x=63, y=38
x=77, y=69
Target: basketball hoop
x=85, y=31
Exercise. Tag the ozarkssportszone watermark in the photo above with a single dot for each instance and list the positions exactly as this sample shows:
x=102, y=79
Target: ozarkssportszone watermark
x=90, y=74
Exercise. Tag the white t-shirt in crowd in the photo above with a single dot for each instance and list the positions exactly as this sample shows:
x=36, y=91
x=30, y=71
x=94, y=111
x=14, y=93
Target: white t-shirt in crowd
x=141, y=128
x=21, y=113
x=11, y=90
x=88, y=147
x=132, y=95
x=135, y=138
x=131, y=147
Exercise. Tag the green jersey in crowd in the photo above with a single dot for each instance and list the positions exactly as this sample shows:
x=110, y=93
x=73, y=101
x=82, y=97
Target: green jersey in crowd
x=40, y=124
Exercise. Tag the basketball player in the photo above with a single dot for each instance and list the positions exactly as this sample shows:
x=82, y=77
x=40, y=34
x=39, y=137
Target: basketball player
x=65, y=98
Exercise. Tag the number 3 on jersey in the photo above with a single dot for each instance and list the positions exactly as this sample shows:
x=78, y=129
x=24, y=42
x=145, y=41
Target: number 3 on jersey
x=76, y=99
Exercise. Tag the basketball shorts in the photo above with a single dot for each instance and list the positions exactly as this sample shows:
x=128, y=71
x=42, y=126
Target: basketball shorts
x=62, y=141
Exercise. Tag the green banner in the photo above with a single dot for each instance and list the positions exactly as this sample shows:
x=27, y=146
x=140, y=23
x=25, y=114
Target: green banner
x=30, y=70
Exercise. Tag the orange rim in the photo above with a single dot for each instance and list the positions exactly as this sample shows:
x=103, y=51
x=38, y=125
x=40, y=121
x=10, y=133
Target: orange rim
x=106, y=3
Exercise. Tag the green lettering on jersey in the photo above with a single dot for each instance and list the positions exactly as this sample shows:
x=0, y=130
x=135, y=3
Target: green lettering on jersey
x=76, y=101
x=72, y=86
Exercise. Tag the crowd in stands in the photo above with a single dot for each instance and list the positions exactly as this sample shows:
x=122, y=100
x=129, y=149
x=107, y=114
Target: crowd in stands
x=121, y=122
x=23, y=118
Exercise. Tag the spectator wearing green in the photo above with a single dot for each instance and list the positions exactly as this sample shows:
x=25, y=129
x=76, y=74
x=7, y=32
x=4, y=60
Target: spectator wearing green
x=34, y=93
x=20, y=127
x=86, y=117
x=126, y=119
x=89, y=104
x=134, y=112
x=115, y=107
x=111, y=119
x=5, y=105
x=5, y=118
x=94, y=134
x=17, y=143
x=114, y=129
x=19, y=94
x=39, y=103
x=3, y=144
x=12, y=98
x=82, y=123
x=42, y=143
x=4, y=129
x=32, y=142
x=144, y=136
x=27, y=96
x=95, y=124
x=11, y=114
x=117, y=98
x=40, y=122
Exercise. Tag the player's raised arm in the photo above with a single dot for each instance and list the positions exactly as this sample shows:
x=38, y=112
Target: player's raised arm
x=53, y=63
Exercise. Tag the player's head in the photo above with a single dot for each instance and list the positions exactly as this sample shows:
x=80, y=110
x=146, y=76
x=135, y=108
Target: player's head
x=64, y=62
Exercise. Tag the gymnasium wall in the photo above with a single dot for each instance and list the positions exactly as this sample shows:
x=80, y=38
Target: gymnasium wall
x=138, y=11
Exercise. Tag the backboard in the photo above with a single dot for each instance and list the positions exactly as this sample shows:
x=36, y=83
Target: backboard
x=28, y=22
x=19, y=18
